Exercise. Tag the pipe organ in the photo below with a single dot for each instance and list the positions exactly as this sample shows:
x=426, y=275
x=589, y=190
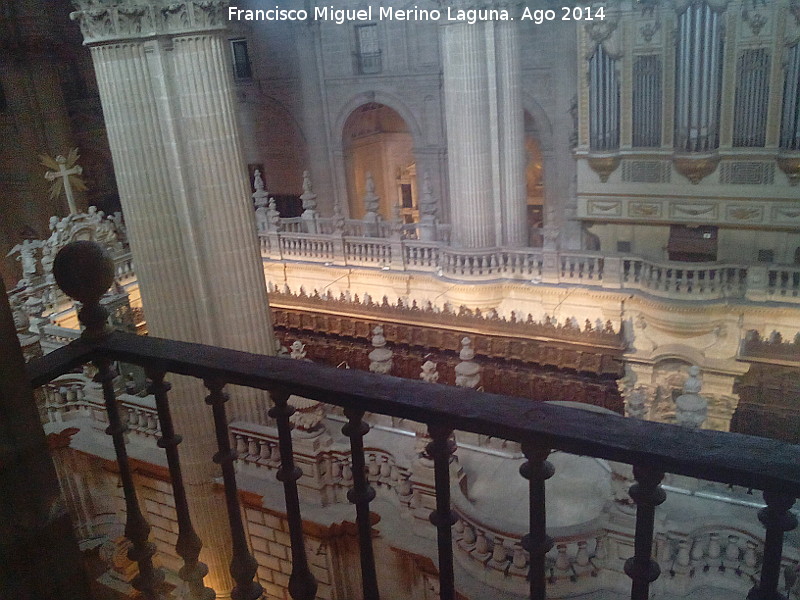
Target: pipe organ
x=752, y=98
x=790, y=120
x=698, y=77
x=690, y=111
x=604, y=100
x=646, y=101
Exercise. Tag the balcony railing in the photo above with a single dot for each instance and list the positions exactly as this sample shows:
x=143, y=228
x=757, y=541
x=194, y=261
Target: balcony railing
x=652, y=449
x=677, y=280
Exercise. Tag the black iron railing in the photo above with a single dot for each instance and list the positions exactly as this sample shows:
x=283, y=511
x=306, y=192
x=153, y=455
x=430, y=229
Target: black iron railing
x=652, y=448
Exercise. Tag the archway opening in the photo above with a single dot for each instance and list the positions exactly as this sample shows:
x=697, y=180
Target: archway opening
x=377, y=141
x=534, y=183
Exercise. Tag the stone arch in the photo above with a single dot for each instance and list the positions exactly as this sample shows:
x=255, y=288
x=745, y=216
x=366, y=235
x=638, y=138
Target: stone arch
x=539, y=159
x=379, y=97
x=273, y=139
x=375, y=137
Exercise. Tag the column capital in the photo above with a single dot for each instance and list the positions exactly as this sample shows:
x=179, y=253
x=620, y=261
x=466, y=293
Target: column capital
x=115, y=20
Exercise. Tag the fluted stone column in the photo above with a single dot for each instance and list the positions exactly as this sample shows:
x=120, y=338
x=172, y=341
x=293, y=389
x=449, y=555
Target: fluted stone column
x=485, y=132
x=511, y=123
x=466, y=97
x=165, y=88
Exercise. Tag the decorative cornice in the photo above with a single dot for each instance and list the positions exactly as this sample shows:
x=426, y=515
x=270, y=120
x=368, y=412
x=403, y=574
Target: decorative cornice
x=103, y=21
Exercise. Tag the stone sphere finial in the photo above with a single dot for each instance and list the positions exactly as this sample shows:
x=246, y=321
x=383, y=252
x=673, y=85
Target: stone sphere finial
x=85, y=271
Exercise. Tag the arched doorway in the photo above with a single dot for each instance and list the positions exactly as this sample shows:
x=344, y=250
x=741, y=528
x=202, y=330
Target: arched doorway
x=281, y=147
x=376, y=140
x=534, y=183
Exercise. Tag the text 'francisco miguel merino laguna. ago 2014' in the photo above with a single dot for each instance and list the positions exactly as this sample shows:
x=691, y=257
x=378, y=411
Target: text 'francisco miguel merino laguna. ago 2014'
x=390, y=13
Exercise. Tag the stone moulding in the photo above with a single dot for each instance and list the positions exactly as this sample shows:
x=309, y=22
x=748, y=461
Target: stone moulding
x=695, y=167
x=128, y=19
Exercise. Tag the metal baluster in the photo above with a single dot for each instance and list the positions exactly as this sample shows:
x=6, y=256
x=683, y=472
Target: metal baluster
x=777, y=519
x=243, y=565
x=302, y=585
x=647, y=494
x=537, y=469
x=137, y=529
x=189, y=544
x=441, y=449
x=361, y=495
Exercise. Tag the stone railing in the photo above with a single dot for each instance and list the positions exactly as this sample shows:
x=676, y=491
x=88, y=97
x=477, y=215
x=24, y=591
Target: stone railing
x=686, y=279
x=783, y=283
x=76, y=395
x=690, y=281
x=357, y=228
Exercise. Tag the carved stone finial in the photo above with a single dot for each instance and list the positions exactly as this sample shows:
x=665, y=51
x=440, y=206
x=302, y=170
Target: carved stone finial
x=371, y=200
x=338, y=218
x=691, y=409
x=380, y=359
x=308, y=196
x=85, y=271
x=468, y=372
x=260, y=196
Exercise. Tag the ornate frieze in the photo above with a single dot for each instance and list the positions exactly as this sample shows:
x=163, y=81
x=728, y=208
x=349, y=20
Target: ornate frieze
x=127, y=19
x=766, y=212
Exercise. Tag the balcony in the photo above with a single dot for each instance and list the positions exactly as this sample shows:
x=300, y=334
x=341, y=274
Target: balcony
x=652, y=449
x=402, y=250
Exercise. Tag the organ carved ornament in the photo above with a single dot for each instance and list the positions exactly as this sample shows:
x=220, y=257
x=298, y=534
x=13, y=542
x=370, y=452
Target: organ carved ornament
x=717, y=6
x=109, y=20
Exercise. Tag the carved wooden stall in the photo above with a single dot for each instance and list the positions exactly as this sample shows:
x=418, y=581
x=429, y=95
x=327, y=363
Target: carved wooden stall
x=518, y=356
x=768, y=392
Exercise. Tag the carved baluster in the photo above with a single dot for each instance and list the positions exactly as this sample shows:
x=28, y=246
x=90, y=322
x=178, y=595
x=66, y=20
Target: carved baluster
x=243, y=565
x=777, y=519
x=361, y=494
x=84, y=271
x=537, y=469
x=302, y=585
x=647, y=494
x=137, y=529
x=189, y=544
x=441, y=449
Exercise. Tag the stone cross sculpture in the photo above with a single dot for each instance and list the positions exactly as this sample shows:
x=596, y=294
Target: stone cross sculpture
x=64, y=173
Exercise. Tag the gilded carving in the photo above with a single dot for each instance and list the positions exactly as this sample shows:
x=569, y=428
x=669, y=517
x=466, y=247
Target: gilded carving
x=597, y=207
x=695, y=168
x=781, y=214
x=644, y=209
x=790, y=164
x=743, y=213
x=695, y=210
x=603, y=165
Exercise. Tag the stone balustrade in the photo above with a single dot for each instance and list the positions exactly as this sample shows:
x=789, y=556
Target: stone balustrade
x=676, y=280
x=499, y=558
